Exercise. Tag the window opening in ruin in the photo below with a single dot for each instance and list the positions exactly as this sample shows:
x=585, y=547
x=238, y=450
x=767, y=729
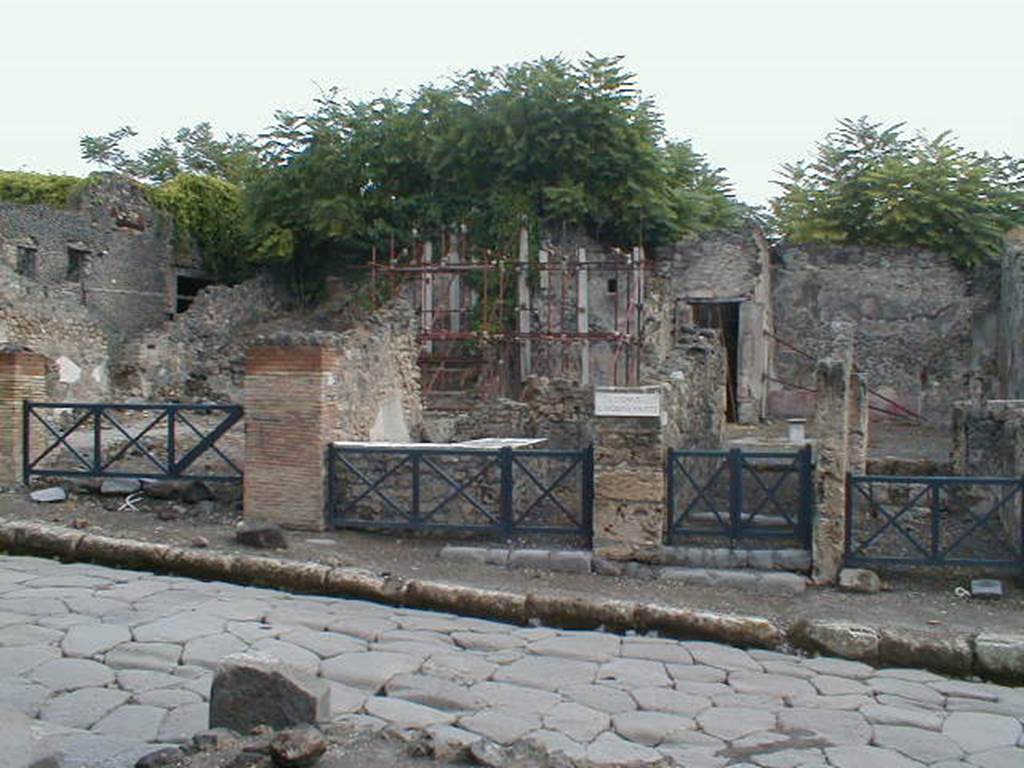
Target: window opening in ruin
x=27, y=264
x=186, y=290
x=77, y=259
x=613, y=285
x=724, y=317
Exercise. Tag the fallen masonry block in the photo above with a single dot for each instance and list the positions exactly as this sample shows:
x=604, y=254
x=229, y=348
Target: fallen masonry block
x=250, y=690
x=49, y=495
x=261, y=536
x=859, y=580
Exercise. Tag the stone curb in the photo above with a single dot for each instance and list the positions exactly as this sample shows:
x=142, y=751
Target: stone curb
x=997, y=657
x=761, y=580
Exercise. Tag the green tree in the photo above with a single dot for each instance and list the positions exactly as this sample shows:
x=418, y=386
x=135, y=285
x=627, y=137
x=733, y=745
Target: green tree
x=194, y=150
x=552, y=142
x=870, y=184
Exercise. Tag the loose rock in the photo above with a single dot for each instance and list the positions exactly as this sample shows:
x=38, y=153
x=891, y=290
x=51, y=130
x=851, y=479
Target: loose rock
x=261, y=536
x=297, y=748
x=251, y=690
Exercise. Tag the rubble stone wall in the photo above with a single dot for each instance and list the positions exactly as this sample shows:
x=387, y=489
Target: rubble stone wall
x=61, y=329
x=914, y=314
x=200, y=354
x=126, y=275
x=1010, y=355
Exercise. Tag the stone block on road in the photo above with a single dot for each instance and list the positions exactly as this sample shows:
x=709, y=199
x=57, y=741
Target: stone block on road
x=250, y=690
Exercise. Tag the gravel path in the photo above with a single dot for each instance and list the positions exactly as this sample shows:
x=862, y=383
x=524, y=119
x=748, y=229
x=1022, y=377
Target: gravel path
x=115, y=663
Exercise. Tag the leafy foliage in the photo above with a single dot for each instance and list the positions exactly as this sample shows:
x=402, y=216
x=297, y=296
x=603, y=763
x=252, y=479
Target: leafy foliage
x=870, y=184
x=193, y=150
x=207, y=211
x=22, y=187
x=549, y=143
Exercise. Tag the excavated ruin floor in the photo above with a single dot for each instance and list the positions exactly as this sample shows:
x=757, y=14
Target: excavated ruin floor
x=923, y=599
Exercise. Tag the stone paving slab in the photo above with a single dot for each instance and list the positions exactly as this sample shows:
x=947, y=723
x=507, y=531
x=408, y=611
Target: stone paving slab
x=116, y=664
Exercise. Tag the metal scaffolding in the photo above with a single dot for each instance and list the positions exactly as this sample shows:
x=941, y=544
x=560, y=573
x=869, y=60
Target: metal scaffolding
x=489, y=320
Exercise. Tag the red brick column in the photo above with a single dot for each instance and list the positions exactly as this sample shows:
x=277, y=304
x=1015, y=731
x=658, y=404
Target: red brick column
x=22, y=377
x=289, y=420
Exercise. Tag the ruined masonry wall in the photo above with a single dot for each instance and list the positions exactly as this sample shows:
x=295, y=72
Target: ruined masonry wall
x=201, y=352
x=1010, y=354
x=913, y=313
x=60, y=329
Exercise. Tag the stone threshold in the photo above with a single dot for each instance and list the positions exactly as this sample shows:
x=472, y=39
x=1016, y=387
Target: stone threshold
x=761, y=581
x=998, y=657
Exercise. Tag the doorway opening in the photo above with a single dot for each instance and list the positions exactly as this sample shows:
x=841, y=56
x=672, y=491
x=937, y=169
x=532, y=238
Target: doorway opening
x=186, y=290
x=724, y=317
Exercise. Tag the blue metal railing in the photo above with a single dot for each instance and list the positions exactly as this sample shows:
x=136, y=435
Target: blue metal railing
x=58, y=456
x=923, y=520
x=740, y=494
x=500, y=492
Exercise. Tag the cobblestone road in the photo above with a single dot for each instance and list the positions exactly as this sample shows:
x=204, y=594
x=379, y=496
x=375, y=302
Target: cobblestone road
x=116, y=662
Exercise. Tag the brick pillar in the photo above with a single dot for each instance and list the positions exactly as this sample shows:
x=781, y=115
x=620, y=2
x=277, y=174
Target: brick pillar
x=630, y=516
x=22, y=377
x=831, y=424
x=857, y=424
x=290, y=417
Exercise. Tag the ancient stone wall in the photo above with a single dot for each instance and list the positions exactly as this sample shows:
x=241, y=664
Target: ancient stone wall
x=109, y=250
x=200, y=354
x=723, y=279
x=914, y=314
x=1010, y=353
x=61, y=329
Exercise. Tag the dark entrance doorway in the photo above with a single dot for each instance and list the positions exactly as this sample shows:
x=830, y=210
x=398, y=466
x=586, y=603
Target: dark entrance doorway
x=724, y=317
x=187, y=288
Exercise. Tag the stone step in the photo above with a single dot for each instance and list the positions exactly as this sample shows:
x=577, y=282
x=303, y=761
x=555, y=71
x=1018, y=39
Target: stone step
x=761, y=582
x=696, y=565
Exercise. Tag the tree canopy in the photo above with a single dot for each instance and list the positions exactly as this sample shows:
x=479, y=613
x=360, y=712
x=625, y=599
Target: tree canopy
x=552, y=143
x=870, y=184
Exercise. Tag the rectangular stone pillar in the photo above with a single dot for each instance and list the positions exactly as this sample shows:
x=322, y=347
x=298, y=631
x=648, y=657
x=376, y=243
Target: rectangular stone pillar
x=857, y=424
x=630, y=514
x=22, y=377
x=831, y=422
x=290, y=418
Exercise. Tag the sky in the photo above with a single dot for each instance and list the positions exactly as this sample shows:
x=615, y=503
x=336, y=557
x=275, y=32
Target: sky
x=753, y=84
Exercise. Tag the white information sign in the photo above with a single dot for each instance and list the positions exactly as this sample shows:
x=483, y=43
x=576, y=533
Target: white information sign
x=624, y=402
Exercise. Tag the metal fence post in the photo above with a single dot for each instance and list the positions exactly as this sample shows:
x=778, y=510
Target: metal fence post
x=670, y=491
x=936, y=504
x=588, y=494
x=806, y=512
x=415, y=487
x=735, y=459
x=331, y=467
x=25, y=445
x=97, y=441
x=506, y=499
x=171, y=458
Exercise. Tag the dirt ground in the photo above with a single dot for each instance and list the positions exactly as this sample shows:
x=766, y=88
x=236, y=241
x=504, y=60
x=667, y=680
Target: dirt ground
x=922, y=598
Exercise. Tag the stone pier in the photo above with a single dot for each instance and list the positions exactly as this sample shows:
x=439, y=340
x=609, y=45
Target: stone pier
x=630, y=514
x=832, y=428
x=22, y=377
x=289, y=421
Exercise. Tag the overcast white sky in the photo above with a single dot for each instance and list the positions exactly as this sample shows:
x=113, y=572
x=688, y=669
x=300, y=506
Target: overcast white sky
x=753, y=83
